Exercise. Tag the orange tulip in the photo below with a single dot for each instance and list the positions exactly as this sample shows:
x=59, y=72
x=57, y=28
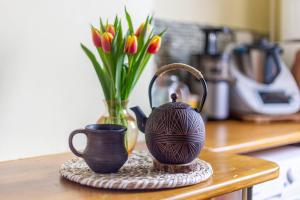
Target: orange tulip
x=139, y=30
x=111, y=29
x=154, y=45
x=96, y=36
x=106, y=40
x=131, y=44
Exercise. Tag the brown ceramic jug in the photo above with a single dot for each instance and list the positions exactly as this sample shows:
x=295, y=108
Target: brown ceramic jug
x=174, y=131
x=105, y=151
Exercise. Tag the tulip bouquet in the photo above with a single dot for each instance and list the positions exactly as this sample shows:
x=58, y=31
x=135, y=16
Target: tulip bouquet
x=123, y=57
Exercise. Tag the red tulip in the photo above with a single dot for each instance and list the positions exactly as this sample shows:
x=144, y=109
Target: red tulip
x=111, y=29
x=106, y=39
x=96, y=36
x=154, y=45
x=131, y=44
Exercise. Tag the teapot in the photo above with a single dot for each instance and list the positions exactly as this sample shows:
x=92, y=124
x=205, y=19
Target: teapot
x=174, y=131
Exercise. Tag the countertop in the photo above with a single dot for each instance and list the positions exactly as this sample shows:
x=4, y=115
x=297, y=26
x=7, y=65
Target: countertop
x=38, y=178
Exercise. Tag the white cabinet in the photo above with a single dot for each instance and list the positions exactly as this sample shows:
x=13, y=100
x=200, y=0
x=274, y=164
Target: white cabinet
x=287, y=185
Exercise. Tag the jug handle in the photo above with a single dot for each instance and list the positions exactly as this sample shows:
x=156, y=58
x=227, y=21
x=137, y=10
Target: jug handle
x=76, y=152
x=175, y=66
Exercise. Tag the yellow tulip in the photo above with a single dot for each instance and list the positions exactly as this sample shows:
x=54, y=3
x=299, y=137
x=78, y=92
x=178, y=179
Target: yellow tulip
x=106, y=39
x=131, y=44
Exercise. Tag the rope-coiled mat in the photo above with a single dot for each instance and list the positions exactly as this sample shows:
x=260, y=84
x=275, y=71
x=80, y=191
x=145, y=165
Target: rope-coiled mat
x=137, y=173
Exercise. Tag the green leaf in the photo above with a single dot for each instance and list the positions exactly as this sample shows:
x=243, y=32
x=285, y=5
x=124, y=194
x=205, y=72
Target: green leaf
x=105, y=60
x=123, y=81
x=102, y=27
x=141, y=39
x=150, y=20
x=99, y=71
x=132, y=74
x=120, y=57
x=119, y=65
x=114, y=46
x=120, y=39
x=141, y=68
x=163, y=32
x=116, y=21
x=145, y=45
x=129, y=22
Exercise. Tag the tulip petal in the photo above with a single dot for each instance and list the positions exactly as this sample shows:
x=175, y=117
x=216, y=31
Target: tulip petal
x=96, y=36
x=111, y=29
x=106, y=40
x=131, y=44
x=154, y=45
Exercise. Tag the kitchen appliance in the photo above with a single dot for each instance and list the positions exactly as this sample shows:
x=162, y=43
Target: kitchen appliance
x=263, y=84
x=213, y=63
x=174, y=131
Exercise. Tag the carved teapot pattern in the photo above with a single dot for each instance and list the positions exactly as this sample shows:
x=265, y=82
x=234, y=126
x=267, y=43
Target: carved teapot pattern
x=174, y=131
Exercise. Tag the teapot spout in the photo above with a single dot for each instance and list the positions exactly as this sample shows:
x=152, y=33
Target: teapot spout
x=140, y=117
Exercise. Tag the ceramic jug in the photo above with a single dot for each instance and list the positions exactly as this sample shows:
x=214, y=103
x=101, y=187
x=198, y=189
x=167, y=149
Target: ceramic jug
x=105, y=151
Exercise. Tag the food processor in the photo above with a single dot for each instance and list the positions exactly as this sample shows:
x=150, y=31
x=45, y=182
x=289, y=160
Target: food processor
x=263, y=84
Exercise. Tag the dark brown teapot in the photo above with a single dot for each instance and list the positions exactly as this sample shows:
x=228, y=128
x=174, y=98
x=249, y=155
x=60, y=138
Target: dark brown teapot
x=174, y=131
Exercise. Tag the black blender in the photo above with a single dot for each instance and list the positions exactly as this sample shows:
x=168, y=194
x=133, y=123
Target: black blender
x=213, y=62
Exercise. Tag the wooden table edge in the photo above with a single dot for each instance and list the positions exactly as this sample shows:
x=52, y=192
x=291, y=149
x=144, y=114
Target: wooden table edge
x=204, y=192
x=264, y=176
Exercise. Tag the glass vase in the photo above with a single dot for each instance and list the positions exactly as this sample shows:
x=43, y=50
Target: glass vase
x=117, y=113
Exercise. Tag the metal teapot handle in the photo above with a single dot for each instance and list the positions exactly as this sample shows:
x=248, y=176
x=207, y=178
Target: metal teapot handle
x=174, y=66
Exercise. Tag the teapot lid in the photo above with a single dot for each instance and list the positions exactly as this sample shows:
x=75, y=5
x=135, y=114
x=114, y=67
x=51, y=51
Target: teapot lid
x=174, y=104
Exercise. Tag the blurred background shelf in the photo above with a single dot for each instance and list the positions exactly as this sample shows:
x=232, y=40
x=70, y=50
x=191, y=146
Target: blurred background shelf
x=233, y=136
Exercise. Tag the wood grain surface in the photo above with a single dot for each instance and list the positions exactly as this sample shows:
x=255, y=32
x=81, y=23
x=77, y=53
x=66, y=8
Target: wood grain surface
x=263, y=119
x=234, y=136
x=38, y=178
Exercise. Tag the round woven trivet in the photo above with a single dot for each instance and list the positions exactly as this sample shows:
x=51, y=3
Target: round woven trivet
x=137, y=173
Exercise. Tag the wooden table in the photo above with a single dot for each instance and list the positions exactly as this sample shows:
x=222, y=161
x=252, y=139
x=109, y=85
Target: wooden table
x=233, y=136
x=38, y=178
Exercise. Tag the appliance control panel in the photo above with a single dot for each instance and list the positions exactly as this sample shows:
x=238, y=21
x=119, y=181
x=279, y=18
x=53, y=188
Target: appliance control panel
x=274, y=97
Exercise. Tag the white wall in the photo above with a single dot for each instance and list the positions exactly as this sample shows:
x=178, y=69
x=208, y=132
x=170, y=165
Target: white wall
x=47, y=85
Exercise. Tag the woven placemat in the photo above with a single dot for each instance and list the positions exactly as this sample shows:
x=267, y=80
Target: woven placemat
x=137, y=173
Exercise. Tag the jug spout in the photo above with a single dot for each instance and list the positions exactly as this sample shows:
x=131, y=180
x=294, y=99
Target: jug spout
x=140, y=117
